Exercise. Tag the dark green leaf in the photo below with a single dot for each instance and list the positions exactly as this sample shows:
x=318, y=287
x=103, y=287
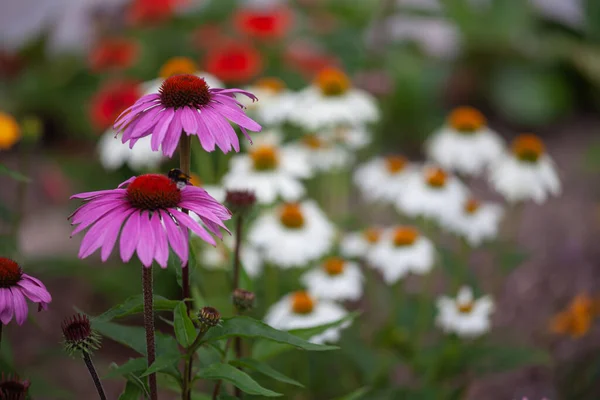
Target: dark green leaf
x=184, y=327
x=133, y=366
x=135, y=305
x=132, y=392
x=238, y=378
x=252, y=328
x=484, y=358
x=135, y=337
x=4, y=170
x=162, y=363
x=264, y=369
x=355, y=395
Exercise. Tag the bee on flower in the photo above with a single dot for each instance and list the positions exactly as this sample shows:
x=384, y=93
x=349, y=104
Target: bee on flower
x=465, y=316
x=293, y=234
x=384, y=178
x=300, y=310
x=335, y=279
x=526, y=172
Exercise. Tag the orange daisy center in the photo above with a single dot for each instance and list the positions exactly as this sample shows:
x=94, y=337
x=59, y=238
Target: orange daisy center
x=10, y=272
x=333, y=265
x=291, y=216
x=528, y=147
x=272, y=84
x=471, y=206
x=395, y=164
x=466, y=120
x=302, y=303
x=184, y=91
x=405, y=236
x=436, y=177
x=333, y=82
x=465, y=308
x=264, y=158
x=313, y=142
x=177, y=66
x=372, y=235
x=153, y=192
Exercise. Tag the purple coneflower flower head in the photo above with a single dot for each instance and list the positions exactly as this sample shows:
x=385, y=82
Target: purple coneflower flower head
x=13, y=388
x=15, y=287
x=147, y=208
x=185, y=103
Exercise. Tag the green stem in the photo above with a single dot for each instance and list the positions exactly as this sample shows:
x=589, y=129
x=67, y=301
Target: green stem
x=189, y=357
x=149, y=327
x=237, y=344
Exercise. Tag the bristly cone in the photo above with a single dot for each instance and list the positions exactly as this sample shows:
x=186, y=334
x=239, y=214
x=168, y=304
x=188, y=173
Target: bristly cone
x=12, y=388
x=79, y=335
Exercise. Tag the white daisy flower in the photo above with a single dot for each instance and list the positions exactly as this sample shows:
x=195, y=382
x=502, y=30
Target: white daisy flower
x=274, y=103
x=293, y=235
x=357, y=244
x=114, y=154
x=465, y=144
x=176, y=66
x=335, y=279
x=216, y=192
x=299, y=311
x=331, y=101
x=270, y=172
x=383, y=179
x=432, y=194
x=352, y=137
x=465, y=316
x=399, y=251
x=475, y=221
x=526, y=173
x=219, y=257
x=267, y=137
x=322, y=154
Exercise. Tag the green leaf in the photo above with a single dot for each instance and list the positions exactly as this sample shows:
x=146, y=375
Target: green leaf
x=135, y=337
x=238, y=378
x=162, y=363
x=133, y=366
x=251, y=328
x=264, y=369
x=355, y=395
x=484, y=358
x=184, y=327
x=4, y=170
x=132, y=392
x=135, y=305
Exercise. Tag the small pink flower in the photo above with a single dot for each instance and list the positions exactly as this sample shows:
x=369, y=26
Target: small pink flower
x=148, y=209
x=185, y=103
x=15, y=286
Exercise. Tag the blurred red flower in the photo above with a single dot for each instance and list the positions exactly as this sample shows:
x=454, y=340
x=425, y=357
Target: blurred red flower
x=111, y=100
x=151, y=11
x=113, y=53
x=208, y=36
x=234, y=62
x=308, y=59
x=264, y=23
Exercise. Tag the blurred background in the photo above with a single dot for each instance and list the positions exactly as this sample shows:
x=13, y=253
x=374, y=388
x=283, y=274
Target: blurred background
x=69, y=67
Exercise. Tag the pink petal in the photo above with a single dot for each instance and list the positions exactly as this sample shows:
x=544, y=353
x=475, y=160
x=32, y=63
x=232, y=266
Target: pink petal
x=147, y=120
x=171, y=140
x=188, y=120
x=6, y=306
x=237, y=116
x=88, y=195
x=213, y=124
x=161, y=253
x=34, y=292
x=112, y=233
x=19, y=305
x=146, y=244
x=130, y=236
x=186, y=220
x=161, y=128
x=204, y=135
x=177, y=238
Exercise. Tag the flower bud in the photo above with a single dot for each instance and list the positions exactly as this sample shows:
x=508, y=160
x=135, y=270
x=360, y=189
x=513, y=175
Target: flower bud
x=240, y=201
x=243, y=299
x=79, y=335
x=209, y=317
x=12, y=388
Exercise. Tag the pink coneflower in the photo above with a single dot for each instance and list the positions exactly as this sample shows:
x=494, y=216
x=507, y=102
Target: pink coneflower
x=185, y=103
x=15, y=286
x=147, y=207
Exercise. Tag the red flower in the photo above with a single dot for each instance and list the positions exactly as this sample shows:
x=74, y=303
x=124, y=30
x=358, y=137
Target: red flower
x=113, y=53
x=111, y=100
x=234, y=62
x=152, y=11
x=264, y=23
x=208, y=36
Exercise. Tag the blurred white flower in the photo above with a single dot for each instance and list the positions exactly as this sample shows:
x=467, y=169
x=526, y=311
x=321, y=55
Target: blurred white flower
x=401, y=250
x=464, y=315
x=357, y=244
x=384, y=178
x=569, y=12
x=465, y=144
x=432, y=193
x=274, y=103
x=335, y=279
x=353, y=137
x=332, y=101
x=436, y=36
x=321, y=154
x=220, y=257
x=475, y=221
x=526, y=173
x=293, y=234
x=114, y=154
x=299, y=310
x=270, y=172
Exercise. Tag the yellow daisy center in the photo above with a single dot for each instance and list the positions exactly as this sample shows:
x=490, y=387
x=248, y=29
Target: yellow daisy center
x=10, y=133
x=272, y=84
x=465, y=307
x=313, y=142
x=471, y=206
x=405, y=236
x=395, y=164
x=302, y=303
x=332, y=82
x=528, y=148
x=264, y=158
x=177, y=66
x=436, y=177
x=466, y=120
x=333, y=265
x=372, y=235
x=291, y=216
